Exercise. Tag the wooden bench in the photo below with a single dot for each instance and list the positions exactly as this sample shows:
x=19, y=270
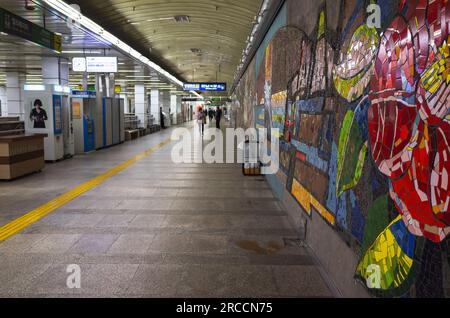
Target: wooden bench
x=131, y=134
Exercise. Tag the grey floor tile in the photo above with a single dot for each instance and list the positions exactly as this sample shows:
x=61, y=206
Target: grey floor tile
x=132, y=244
x=156, y=280
x=93, y=244
x=54, y=244
x=115, y=221
x=20, y=243
x=300, y=281
x=148, y=221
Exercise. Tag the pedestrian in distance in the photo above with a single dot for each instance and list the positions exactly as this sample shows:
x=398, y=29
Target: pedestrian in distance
x=201, y=120
x=218, y=117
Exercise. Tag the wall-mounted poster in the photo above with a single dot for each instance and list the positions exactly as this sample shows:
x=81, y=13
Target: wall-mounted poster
x=57, y=111
x=38, y=114
x=76, y=108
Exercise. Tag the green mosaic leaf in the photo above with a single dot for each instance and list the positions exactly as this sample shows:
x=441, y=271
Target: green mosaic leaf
x=352, y=153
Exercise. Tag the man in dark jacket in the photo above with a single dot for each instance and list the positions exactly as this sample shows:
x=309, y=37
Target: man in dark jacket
x=161, y=116
x=210, y=115
x=218, y=117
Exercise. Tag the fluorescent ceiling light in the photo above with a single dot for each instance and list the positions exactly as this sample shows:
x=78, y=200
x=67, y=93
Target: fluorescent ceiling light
x=73, y=14
x=62, y=89
x=34, y=87
x=81, y=52
x=159, y=19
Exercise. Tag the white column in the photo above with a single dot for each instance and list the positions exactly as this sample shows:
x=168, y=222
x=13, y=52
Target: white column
x=164, y=102
x=55, y=71
x=3, y=101
x=140, y=104
x=154, y=108
x=100, y=89
x=110, y=85
x=179, y=116
x=173, y=107
x=14, y=92
x=84, y=81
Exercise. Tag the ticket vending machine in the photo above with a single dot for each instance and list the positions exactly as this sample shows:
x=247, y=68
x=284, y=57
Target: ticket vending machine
x=84, y=123
x=45, y=106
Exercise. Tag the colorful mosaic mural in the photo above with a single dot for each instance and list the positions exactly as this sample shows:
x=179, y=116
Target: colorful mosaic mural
x=364, y=121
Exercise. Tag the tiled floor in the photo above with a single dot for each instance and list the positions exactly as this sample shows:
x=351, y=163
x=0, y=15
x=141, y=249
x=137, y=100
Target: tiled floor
x=154, y=230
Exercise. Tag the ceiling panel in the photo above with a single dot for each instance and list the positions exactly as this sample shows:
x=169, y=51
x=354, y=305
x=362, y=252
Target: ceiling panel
x=207, y=48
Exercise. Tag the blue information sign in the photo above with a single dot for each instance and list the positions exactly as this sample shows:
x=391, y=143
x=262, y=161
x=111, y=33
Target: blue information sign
x=210, y=87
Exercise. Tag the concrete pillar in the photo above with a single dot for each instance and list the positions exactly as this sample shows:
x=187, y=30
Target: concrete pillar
x=154, y=105
x=175, y=105
x=14, y=92
x=110, y=84
x=100, y=89
x=140, y=104
x=84, y=81
x=173, y=108
x=179, y=115
x=164, y=102
x=3, y=101
x=55, y=71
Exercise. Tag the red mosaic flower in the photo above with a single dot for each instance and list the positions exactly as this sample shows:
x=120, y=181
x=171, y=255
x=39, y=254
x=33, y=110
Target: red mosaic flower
x=409, y=127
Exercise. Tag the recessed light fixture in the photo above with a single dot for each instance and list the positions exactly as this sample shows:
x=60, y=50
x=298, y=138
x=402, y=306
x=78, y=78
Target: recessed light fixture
x=182, y=19
x=81, y=52
x=159, y=19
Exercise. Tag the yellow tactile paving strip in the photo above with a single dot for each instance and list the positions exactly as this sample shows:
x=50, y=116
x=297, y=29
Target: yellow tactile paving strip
x=31, y=217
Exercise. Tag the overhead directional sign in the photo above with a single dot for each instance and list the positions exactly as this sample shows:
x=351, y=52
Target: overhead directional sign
x=95, y=64
x=14, y=25
x=101, y=64
x=207, y=87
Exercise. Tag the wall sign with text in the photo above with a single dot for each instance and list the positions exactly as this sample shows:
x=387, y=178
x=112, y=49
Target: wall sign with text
x=15, y=25
x=208, y=87
x=95, y=64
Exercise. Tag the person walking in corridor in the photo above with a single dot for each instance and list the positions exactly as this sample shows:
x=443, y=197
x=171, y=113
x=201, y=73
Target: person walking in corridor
x=210, y=115
x=161, y=118
x=218, y=117
x=201, y=120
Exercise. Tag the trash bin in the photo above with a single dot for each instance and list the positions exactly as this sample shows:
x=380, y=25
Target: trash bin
x=249, y=151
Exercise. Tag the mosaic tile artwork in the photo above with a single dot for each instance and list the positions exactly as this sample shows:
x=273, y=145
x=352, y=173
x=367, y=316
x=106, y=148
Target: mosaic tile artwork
x=353, y=74
x=364, y=116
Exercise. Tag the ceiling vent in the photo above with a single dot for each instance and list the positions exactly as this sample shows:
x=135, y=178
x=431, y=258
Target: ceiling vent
x=182, y=19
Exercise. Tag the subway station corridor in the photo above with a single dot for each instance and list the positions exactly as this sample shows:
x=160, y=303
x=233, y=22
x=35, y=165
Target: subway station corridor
x=346, y=194
x=156, y=229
